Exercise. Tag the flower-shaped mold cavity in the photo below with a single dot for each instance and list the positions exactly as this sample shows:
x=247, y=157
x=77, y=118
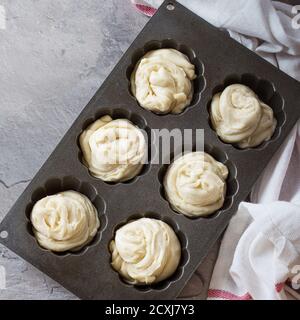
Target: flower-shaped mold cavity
x=232, y=185
x=139, y=121
x=199, y=83
x=56, y=185
x=267, y=93
x=185, y=256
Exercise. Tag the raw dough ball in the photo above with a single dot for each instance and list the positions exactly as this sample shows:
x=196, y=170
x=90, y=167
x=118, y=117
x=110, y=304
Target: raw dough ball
x=195, y=184
x=239, y=117
x=162, y=81
x=64, y=221
x=113, y=150
x=145, y=251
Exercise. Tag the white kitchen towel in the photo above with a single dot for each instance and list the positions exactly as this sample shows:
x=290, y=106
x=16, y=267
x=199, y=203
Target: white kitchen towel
x=263, y=26
x=261, y=248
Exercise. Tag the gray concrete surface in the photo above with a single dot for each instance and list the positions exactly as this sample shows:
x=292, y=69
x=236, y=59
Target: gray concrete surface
x=54, y=54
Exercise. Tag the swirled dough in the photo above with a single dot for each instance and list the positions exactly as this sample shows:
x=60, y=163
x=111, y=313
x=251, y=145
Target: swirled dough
x=64, y=221
x=195, y=184
x=113, y=150
x=145, y=251
x=162, y=81
x=239, y=117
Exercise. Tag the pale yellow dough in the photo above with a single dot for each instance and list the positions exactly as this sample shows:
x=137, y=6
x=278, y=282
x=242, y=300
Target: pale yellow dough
x=195, y=184
x=113, y=150
x=64, y=221
x=239, y=117
x=162, y=81
x=145, y=251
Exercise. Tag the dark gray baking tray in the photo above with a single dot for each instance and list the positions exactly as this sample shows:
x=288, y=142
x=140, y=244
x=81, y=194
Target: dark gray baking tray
x=219, y=61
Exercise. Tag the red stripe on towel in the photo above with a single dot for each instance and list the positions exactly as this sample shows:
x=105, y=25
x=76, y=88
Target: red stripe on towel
x=149, y=11
x=221, y=294
x=279, y=287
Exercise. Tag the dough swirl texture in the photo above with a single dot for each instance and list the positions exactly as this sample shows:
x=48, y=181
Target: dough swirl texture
x=195, y=184
x=162, y=81
x=64, y=221
x=239, y=117
x=113, y=150
x=145, y=251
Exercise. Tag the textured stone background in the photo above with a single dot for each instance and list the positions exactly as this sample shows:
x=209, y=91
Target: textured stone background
x=54, y=54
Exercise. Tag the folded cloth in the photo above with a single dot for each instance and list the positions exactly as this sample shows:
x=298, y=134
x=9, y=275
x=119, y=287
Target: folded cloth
x=261, y=247
x=265, y=240
x=263, y=26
